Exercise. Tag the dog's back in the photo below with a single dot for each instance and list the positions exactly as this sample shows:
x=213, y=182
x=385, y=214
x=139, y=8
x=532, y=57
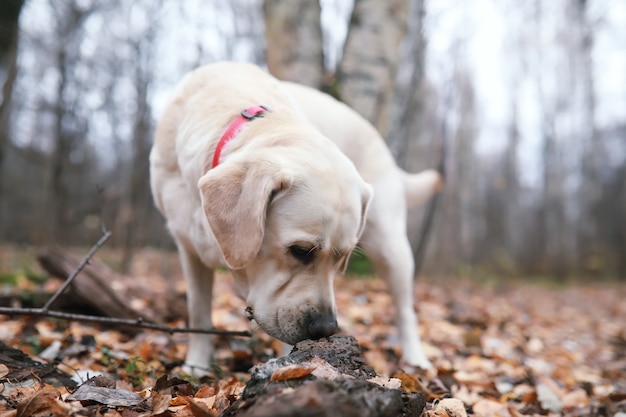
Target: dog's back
x=361, y=142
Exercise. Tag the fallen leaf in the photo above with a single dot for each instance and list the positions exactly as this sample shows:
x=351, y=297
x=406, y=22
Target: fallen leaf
x=160, y=401
x=209, y=402
x=106, y=396
x=291, y=372
x=490, y=408
x=575, y=399
x=165, y=382
x=410, y=383
x=548, y=398
x=4, y=370
x=448, y=407
x=200, y=410
x=205, y=391
x=43, y=403
x=180, y=400
x=391, y=383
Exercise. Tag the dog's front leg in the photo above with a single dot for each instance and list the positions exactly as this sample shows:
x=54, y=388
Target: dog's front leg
x=390, y=252
x=199, y=282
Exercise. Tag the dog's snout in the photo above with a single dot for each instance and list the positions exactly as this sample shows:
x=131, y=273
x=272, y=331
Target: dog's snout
x=322, y=325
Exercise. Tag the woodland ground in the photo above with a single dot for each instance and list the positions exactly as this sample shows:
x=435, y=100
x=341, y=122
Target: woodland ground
x=505, y=348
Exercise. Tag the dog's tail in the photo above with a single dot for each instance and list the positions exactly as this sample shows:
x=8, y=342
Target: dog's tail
x=419, y=187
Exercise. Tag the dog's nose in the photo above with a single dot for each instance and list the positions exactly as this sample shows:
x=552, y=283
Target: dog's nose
x=322, y=325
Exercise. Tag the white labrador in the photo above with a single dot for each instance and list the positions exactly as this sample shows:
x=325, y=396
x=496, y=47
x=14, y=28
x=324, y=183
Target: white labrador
x=282, y=206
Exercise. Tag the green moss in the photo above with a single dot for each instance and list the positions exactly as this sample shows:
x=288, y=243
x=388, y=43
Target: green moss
x=359, y=264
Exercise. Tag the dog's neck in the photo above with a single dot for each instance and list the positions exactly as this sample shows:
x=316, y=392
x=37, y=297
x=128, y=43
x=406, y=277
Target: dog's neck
x=247, y=115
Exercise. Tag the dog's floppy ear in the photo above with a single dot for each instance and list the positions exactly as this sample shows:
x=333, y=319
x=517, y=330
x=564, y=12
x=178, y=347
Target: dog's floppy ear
x=235, y=197
x=366, y=197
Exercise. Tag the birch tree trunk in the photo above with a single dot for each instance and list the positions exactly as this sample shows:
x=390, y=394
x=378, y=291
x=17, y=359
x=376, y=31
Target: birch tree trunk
x=409, y=105
x=293, y=33
x=368, y=70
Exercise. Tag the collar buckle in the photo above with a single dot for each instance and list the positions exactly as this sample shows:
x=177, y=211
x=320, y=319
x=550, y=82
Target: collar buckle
x=252, y=113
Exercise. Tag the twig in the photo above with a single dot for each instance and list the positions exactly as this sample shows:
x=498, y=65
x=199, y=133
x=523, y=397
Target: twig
x=107, y=234
x=112, y=320
x=139, y=322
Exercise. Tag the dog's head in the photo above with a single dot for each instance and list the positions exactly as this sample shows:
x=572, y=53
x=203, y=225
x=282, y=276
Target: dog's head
x=286, y=224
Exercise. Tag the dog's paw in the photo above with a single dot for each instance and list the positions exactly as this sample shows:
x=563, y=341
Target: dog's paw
x=195, y=370
x=417, y=359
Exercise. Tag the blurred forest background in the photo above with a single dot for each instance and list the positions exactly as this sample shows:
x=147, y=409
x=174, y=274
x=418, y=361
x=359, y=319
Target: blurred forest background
x=527, y=98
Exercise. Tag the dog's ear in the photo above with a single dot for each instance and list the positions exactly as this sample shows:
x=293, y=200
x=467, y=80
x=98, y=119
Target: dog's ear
x=235, y=197
x=366, y=197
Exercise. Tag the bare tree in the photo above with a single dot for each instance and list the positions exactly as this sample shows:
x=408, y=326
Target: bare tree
x=409, y=94
x=9, y=31
x=137, y=192
x=293, y=36
x=368, y=70
x=69, y=130
x=591, y=149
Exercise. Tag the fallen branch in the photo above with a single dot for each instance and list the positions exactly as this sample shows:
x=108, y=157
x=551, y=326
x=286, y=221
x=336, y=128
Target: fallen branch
x=107, y=234
x=112, y=320
x=139, y=322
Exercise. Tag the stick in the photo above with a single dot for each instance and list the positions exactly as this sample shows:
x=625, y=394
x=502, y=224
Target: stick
x=107, y=234
x=112, y=320
x=139, y=322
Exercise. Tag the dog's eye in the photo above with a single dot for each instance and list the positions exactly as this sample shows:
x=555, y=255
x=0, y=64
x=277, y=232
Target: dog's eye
x=302, y=254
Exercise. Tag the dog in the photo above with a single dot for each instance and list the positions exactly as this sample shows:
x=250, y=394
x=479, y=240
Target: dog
x=279, y=182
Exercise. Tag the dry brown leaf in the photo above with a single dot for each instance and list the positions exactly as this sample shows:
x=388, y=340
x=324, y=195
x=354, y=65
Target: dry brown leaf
x=222, y=402
x=146, y=351
x=112, y=413
x=409, y=382
x=209, y=402
x=490, y=408
x=199, y=409
x=205, y=392
x=4, y=370
x=575, y=399
x=43, y=403
x=291, y=372
x=448, y=407
x=180, y=400
x=160, y=401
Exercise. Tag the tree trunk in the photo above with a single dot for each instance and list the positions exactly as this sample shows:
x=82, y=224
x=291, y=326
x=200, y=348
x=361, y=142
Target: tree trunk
x=367, y=73
x=59, y=162
x=9, y=22
x=293, y=33
x=138, y=195
x=409, y=102
x=589, y=194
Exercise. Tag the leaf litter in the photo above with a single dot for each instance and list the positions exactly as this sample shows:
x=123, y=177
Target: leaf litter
x=511, y=349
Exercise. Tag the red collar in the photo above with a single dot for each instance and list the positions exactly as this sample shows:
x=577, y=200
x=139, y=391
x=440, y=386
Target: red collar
x=246, y=115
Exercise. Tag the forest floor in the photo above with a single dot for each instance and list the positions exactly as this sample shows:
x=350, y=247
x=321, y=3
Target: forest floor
x=502, y=348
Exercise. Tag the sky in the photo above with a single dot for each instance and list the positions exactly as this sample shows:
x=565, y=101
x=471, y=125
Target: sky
x=487, y=30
